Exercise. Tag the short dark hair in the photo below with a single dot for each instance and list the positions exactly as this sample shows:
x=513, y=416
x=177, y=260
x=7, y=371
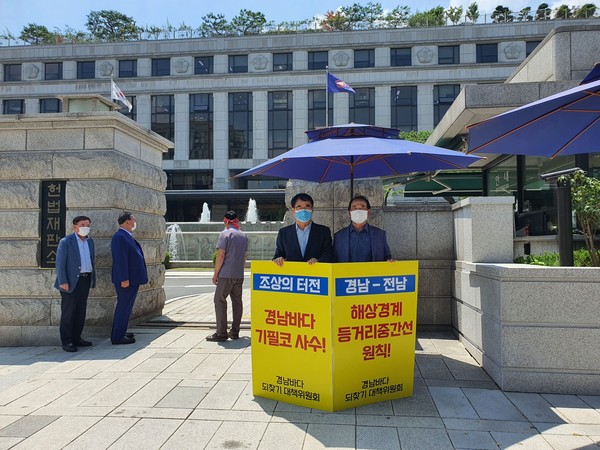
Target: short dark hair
x=78, y=219
x=124, y=217
x=304, y=197
x=230, y=215
x=359, y=197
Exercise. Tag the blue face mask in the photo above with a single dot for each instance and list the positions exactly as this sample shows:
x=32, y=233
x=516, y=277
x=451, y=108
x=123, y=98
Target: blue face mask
x=304, y=215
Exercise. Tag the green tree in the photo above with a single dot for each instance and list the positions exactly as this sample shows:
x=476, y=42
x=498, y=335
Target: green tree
x=502, y=14
x=454, y=14
x=153, y=31
x=110, y=26
x=432, y=18
x=563, y=12
x=335, y=21
x=37, y=34
x=73, y=36
x=373, y=14
x=214, y=25
x=585, y=198
x=248, y=22
x=7, y=35
x=585, y=11
x=543, y=12
x=415, y=136
x=398, y=17
x=473, y=12
x=524, y=14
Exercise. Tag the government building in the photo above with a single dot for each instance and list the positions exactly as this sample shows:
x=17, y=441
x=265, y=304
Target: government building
x=230, y=103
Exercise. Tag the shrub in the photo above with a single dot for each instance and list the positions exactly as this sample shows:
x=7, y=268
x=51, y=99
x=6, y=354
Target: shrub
x=581, y=258
x=167, y=261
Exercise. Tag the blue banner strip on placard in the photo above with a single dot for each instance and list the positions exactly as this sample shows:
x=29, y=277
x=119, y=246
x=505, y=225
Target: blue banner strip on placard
x=374, y=285
x=291, y=284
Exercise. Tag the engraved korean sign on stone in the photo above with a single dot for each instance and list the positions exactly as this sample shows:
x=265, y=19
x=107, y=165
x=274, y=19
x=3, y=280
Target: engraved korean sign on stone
x=53, y=210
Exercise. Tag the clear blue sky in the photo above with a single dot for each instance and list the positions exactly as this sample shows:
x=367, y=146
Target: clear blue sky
x=15, y=14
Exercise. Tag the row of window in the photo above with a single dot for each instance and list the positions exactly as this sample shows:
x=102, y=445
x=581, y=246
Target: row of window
x=280, y=116
x=319, y=60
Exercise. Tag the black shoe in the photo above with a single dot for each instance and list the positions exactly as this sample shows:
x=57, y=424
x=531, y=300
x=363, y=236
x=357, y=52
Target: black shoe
x=129, y=335
x=233, y=335
x=82, y=343
x=123, y=341
x=216, y=338
x=69, y=348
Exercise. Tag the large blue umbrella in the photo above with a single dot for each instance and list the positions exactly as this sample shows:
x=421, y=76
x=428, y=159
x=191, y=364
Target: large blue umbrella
x=357, y=154
x=566, y=123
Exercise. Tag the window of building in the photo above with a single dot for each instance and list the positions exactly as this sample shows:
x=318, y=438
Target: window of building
x=13, y=106
x=163, y=117
x=12, y=72
x=282, y=62
x=240, y=125
x=238, y=63
x=128, y=68
x=362, y=106
x=281, y=123
x=189, y=180
x=53, y=71
x=50, y=105
x=318, y=60
x=530, y=46
x=161, y=67
x=404, y=108
x=449, y=54
x=487, y=53
x=443, y=97
x=258, y=182
x=316, y=108
x=125, y=111
x=86, y=70
x=203, y=65
x=201, y=126
x=400, y=57
x=364, y=58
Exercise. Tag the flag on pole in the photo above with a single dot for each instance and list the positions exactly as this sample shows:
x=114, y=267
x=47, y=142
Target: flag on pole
x=117, y=94
x=334, y=84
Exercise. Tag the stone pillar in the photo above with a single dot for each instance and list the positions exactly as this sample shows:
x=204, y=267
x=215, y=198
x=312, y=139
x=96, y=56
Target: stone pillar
x=483, y=229
x=109, y=164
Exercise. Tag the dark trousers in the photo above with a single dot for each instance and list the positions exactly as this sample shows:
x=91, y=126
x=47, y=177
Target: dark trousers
x=228, y=287
x=125, y=301
x=72, y=308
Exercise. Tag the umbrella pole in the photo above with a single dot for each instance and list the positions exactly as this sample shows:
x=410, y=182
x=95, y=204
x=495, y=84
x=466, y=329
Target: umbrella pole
x=565, y=226
x=351, y=177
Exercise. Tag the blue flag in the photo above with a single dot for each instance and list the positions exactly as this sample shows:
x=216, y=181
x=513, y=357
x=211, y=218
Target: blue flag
x=334, y=84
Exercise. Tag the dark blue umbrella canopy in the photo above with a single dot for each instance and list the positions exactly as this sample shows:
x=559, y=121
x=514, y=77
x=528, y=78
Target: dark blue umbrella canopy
x=343, y=158
x=351, y=130
x=566, y=123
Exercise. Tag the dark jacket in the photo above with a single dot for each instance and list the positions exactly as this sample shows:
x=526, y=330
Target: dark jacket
x=318, y=245
x=68, y=262
x=380, y=251
x=128, y=259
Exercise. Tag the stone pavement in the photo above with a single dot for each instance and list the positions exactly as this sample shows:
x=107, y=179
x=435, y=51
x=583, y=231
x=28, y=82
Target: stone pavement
x=173, y=390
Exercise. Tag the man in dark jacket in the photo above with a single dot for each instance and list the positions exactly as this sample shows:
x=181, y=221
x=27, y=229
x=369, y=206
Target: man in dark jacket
x=359, y=241
x=304, y=240
x=75, y=275
x=128, y=273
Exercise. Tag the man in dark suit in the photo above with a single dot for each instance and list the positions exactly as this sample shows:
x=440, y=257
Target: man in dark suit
x=75, y=275
x=359, y=241
x=304, y=240
x=128, y=273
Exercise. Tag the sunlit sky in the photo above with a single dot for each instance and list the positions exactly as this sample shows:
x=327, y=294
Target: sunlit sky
x=15, y=14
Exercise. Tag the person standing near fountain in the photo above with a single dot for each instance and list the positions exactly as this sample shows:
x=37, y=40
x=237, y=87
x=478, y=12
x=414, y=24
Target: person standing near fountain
x=228, y=276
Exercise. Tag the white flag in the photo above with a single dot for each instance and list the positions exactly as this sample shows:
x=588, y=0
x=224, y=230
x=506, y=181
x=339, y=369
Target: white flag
x=117, y=94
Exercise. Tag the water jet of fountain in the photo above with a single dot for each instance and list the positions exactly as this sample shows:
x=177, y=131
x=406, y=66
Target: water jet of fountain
x=252, y=213
x=174, y=232
x=205, y=215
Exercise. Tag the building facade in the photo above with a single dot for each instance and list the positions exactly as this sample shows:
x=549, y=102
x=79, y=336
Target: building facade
x=228, y=104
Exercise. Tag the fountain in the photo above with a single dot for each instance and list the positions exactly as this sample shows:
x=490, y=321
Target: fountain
x=205, y=215
x=174, y=234
x=252, y=213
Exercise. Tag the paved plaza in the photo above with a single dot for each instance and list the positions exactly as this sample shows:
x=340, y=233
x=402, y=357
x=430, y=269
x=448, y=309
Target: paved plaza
x=174, y=390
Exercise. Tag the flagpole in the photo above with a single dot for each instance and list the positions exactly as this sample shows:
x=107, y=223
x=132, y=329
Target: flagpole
x=326, y=96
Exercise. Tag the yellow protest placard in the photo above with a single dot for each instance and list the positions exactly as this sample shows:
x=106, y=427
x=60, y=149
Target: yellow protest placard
x=333, y=336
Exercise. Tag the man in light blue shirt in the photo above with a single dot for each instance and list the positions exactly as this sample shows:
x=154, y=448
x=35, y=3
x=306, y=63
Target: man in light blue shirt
x=75, y=275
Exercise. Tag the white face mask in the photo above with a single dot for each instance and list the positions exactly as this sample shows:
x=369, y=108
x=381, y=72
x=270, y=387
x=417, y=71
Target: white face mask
x=134, y=226
x=359, y=215
x=83, y=231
